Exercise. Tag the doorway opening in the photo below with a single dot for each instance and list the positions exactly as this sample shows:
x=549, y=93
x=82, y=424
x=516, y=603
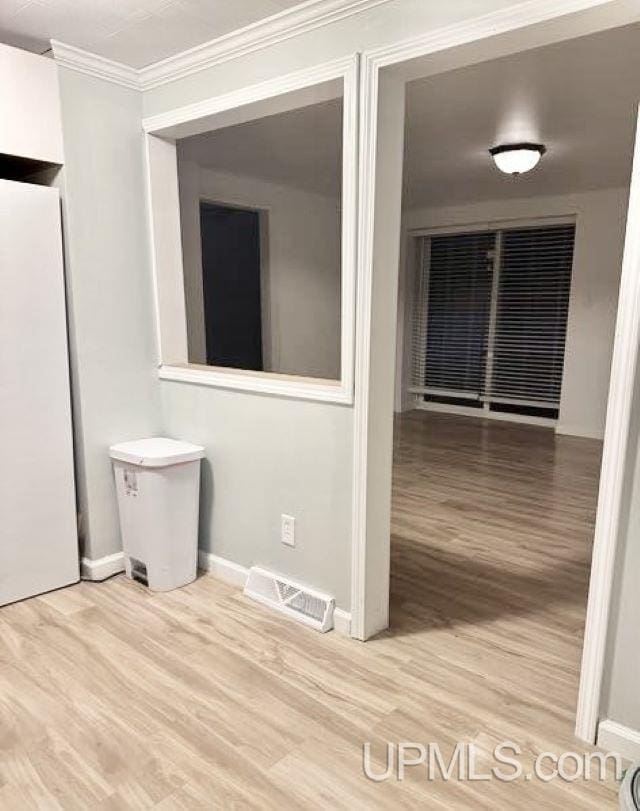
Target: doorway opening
x=231, y=285
x=506, y=318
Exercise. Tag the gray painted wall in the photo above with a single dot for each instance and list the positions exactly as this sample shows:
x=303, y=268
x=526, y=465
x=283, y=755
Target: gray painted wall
x=266, y=456
x=109, y=292
x=263, y=452
x=621, y=692
x=390, y=22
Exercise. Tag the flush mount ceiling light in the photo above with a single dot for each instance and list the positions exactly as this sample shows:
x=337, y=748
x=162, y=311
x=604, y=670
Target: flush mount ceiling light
x=514, y=159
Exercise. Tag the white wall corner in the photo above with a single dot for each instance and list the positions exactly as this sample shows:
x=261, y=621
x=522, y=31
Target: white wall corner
x=101, y=568
x=68, y=56
x=614, y=737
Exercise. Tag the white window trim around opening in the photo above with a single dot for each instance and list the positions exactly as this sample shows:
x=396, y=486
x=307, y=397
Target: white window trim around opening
x=160, y=133
x=416, y=258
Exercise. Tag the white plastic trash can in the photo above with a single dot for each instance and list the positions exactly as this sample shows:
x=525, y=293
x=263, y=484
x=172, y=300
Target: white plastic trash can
x=158, y=485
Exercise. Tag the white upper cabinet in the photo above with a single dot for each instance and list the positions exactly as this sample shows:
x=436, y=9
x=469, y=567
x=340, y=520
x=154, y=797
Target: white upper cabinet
x=29, y=106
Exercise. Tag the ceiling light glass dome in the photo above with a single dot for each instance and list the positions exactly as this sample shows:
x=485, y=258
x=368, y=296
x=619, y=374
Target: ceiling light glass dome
x=515, y=159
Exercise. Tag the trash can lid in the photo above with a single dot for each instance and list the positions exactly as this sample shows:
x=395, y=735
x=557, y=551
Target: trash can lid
x=156, y=452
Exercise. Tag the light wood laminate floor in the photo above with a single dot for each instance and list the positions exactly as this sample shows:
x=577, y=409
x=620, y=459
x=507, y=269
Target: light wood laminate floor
x=115, y=698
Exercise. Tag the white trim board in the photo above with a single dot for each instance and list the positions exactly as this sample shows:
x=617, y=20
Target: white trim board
x=223, y=569
x=165, y=124
x=342, y=622
x=102, y=568
x=492, y=225
x=521, y=18
x=503, y=21
x=236, y=575
x=262, y=34
x=563, y=429
x=165, y=232
x=68, y=56
x=612, y=475
x=614, y=737
x=261, y=383
x=293, y=22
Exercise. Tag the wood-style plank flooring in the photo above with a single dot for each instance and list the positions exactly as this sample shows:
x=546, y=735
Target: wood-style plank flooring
x=115, y=698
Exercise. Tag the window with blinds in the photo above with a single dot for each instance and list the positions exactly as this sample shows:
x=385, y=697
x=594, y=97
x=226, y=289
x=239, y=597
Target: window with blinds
x=490, y=320
x=454, y=322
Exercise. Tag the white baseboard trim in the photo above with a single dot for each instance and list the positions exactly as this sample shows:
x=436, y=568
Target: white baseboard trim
x=342, y=622
x=575, y=430
x=224, y=569
x=101, y=568
x=479, y=413
x=614, y=737
x=236, y=575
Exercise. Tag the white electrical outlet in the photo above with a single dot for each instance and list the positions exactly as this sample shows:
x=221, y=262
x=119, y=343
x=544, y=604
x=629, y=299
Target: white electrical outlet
x=288, y=530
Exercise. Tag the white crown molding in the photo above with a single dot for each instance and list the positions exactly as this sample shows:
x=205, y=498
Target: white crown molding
x=262, y=34
x=68, y=56
x=294, y=22
x=504, y=20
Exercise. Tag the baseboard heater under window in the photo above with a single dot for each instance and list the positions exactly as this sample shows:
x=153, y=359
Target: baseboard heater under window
x=311, y=607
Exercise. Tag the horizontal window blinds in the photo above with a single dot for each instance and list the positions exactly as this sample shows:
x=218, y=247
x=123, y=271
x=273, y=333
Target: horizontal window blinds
x=452, y=322
x=491, y=316
x=531, y=319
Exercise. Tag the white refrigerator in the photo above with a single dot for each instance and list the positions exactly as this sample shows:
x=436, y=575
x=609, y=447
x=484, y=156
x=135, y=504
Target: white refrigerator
x=38, y=536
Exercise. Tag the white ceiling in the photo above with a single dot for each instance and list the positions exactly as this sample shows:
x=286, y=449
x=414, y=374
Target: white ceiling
x=300, y=148
x=134, y=32
x=579, y=98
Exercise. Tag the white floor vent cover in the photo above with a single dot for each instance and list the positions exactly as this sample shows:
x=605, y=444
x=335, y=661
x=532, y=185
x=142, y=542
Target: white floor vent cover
x=303, y=604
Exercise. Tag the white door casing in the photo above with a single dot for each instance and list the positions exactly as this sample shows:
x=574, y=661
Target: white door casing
x=370, y=543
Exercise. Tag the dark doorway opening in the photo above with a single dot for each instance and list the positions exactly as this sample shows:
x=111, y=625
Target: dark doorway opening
x=231, y=286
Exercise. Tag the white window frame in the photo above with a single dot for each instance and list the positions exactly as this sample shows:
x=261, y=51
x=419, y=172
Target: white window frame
x=160, y=134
